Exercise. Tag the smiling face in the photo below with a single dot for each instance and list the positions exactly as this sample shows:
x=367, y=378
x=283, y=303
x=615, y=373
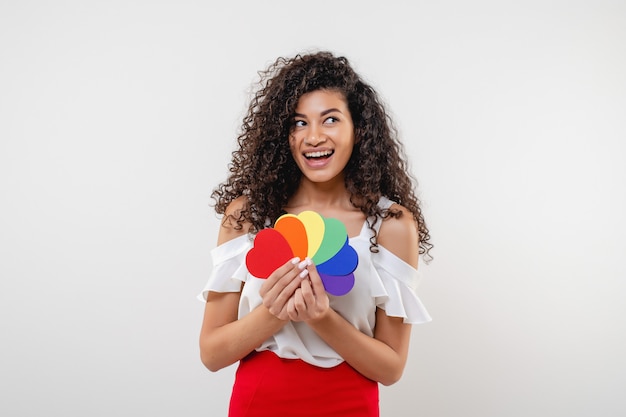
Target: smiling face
x=322, y=136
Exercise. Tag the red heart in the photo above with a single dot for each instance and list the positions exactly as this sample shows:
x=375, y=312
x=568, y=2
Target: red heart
x=271, y=250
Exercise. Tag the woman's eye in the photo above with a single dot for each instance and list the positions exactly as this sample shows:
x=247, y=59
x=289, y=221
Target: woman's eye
x=331, y=120
x=299, y=123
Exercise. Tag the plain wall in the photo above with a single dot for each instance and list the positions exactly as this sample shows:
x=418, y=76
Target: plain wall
x=117, y=119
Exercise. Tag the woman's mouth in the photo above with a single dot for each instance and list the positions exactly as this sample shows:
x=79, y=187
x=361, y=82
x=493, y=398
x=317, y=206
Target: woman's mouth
x=317, y=155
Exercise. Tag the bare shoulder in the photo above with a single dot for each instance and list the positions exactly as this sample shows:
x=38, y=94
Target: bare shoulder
x=229, y=229
x=399, y=235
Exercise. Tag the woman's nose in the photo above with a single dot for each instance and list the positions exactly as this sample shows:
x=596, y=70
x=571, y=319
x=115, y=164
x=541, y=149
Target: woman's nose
x=314, y=137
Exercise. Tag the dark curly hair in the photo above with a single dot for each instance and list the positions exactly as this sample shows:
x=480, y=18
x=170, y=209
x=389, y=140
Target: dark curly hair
x=263, y=169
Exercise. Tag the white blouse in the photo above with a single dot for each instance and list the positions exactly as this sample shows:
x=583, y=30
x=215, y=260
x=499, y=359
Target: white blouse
x=381, y=280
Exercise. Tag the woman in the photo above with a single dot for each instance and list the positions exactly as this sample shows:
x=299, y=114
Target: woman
x=316, y=137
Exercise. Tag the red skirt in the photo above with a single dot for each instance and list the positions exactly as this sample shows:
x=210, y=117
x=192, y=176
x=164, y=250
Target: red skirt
x=269, y=386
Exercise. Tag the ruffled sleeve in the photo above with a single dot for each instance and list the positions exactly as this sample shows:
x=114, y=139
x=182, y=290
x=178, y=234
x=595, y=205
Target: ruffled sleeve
x=229, y=267
x=399, y=281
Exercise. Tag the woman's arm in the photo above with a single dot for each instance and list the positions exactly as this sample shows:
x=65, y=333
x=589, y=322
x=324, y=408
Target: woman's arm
x=224, y=339
x=383, y=357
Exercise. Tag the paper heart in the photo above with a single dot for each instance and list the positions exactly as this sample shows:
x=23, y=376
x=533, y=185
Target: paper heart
x=270, y=251
x=335, y=236
x=338, y=284
x=342, y=263
x=315, y=228
x=294, y=232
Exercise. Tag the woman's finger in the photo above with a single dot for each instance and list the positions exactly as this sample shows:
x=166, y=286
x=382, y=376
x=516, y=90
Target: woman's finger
x=298, y=300
x=307, y=292
x=316, y=282
x=279, y=287
x=291, y=309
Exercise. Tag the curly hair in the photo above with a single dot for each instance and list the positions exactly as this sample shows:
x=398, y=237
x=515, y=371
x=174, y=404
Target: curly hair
x=263, y=170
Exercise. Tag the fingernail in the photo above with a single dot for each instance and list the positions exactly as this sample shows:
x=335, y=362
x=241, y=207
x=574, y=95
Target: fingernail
x=295, y=260
x=304, y=273
x=303, y=264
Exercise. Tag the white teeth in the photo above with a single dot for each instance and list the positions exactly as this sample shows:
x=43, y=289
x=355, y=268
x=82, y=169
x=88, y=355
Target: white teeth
x=318, y=154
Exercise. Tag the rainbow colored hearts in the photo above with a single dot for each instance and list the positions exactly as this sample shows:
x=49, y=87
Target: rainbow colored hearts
x=308, y=234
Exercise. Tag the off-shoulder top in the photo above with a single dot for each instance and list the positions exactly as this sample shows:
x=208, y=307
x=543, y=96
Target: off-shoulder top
x=381, y=280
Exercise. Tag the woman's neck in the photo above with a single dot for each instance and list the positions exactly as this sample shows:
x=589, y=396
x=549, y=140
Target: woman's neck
x=320, y=196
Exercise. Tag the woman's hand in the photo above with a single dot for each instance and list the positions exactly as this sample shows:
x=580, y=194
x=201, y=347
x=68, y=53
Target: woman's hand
x=281, y=286
x=309, y=301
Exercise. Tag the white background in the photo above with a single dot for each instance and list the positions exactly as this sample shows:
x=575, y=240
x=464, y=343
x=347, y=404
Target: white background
x=118, y=118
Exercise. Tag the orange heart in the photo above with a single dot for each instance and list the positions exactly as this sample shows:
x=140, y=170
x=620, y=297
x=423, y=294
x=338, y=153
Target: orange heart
x=294, y=232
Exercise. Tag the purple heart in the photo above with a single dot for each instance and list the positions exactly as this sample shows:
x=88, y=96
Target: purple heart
x=337, y=284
